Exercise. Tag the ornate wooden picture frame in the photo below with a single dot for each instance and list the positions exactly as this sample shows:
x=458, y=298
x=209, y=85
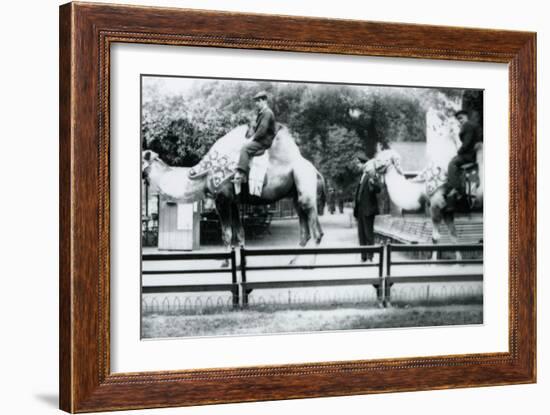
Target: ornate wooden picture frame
x=87, y=32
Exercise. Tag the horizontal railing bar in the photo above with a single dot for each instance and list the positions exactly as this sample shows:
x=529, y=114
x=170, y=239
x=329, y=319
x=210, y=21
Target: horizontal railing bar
x=435, y=278
x=161, y=289
x=187, y=271
x=290, y=267
x=442, y=247
x=185, y=257
x=312, y=251
x=310, y=283
x=438, y=262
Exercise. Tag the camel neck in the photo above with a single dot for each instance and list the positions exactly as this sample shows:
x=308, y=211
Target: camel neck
x=403, y=192
x=157, y=170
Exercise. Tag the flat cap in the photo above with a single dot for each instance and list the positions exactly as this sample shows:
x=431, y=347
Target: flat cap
x=260, y=95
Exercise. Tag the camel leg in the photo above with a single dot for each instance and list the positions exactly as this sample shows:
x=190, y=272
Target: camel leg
x=305, y=178
x=449, y=219
x=305, y=234
x=238, y=228
x=223, y=207
x=317, y=235
x=435, y=213
x=313, y=224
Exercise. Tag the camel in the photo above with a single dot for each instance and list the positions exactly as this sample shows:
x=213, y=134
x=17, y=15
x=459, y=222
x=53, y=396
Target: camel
x=428, y=186
x=288, y=174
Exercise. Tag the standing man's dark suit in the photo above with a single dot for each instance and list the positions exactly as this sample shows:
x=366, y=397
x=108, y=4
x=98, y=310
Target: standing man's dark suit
x=365, y=210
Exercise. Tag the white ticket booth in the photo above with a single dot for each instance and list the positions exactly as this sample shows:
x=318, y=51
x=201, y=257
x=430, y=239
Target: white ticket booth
x=179, y=226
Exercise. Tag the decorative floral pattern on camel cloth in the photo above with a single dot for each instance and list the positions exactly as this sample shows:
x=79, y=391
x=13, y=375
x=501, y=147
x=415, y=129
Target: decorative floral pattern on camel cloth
x=434, y=177
x=220, y=166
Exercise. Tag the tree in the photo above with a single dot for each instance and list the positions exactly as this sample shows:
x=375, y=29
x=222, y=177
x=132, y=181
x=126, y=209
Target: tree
x=339, y=165
x=330, y=122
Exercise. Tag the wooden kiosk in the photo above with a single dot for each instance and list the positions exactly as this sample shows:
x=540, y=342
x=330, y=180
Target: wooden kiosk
x=179, y=226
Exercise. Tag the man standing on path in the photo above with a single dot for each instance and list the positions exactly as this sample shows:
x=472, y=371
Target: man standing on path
x=262, y=137
x=366, y=207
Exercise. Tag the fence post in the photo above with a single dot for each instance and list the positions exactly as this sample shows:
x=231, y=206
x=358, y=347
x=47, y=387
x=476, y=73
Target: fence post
x=235, y=290
x=380, y=287
x=387, y=285
x=243, y=276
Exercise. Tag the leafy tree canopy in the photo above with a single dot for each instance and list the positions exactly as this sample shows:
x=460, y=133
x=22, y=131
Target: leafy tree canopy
x=331, y=123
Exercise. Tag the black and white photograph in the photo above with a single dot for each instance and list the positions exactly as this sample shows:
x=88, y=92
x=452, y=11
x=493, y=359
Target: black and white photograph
x=277, y=206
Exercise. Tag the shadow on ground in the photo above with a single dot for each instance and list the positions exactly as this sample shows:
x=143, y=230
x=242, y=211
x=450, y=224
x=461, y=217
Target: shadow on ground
x=50, y=399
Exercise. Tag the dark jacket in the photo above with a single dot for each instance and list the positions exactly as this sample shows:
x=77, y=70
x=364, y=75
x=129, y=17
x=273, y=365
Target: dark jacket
x=366, y=202
x=470, y=134
x=264, y=128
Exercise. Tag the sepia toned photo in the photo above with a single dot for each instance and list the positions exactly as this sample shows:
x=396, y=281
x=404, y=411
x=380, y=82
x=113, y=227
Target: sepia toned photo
x=285, y=207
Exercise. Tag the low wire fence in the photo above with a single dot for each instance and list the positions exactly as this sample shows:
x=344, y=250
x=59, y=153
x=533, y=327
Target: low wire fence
x=410, y=288
x=401, y=295
x=186, y=304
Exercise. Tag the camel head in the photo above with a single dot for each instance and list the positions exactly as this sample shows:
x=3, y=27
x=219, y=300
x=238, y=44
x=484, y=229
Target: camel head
x=148, y=160
x=386, y=159
x=173, y=182
x=370, y=170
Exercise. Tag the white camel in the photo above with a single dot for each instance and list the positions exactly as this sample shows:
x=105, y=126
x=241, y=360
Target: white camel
x=288, y=174
x=429, y=186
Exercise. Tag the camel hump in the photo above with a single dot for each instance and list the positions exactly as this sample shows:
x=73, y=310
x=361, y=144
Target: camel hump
x=220, y=162
x=222, y=155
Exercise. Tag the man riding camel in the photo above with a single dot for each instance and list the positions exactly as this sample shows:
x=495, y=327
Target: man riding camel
x=261, y=139
x=470, y=134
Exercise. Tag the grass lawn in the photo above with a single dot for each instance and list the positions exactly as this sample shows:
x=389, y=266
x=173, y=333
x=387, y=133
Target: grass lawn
x=285, y=321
